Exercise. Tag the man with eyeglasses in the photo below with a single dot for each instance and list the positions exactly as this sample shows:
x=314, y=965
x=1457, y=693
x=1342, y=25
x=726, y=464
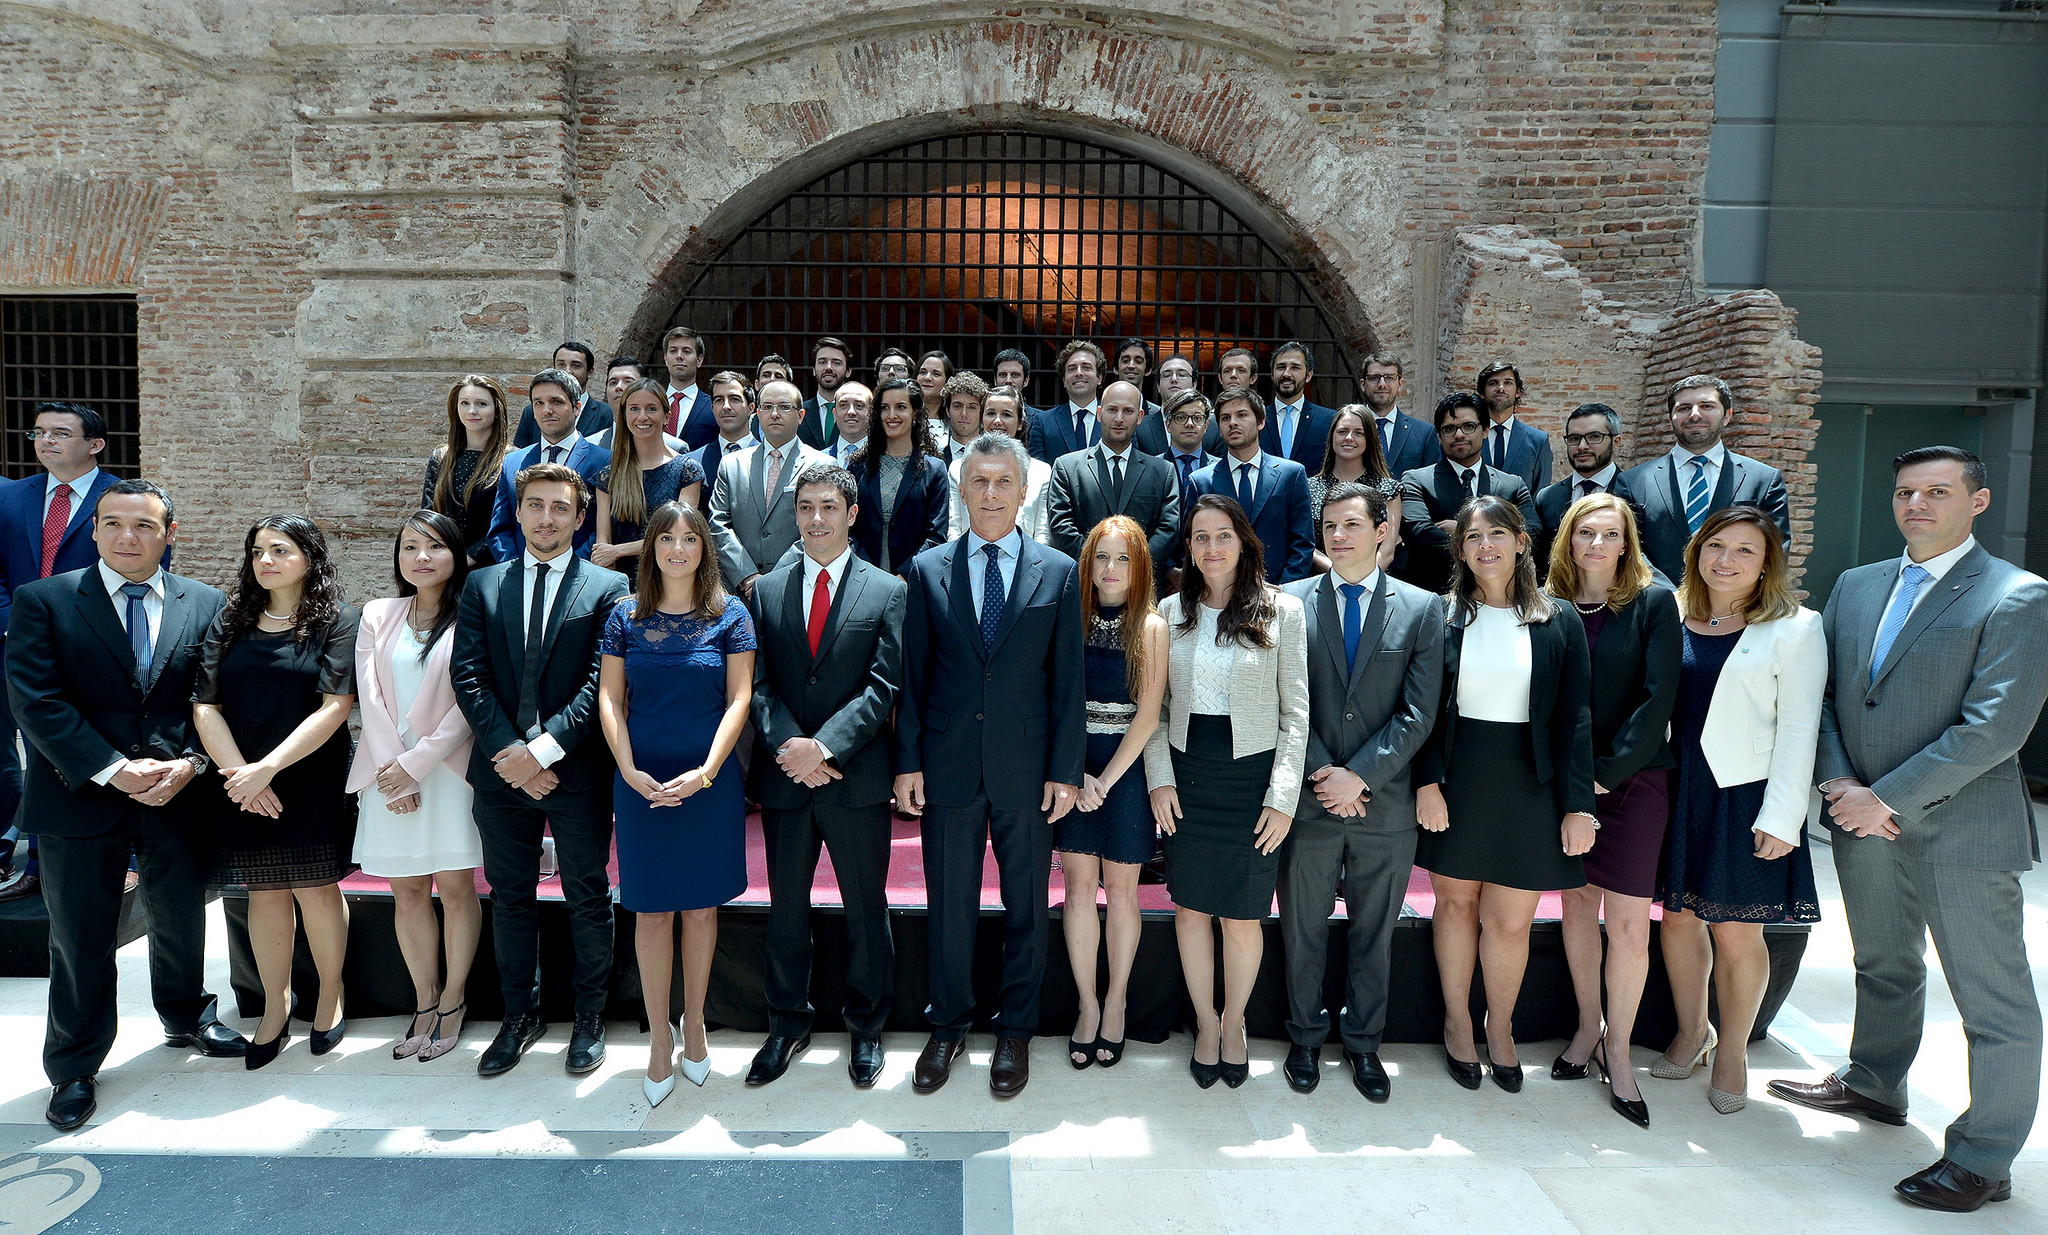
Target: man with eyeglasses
x=1432, y=496
x=753, y=503
x=1175, y=374
x=1590, y=433
x=1406, y=441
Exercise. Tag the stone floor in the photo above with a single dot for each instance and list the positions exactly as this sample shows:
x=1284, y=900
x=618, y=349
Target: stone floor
x=1138, y=1148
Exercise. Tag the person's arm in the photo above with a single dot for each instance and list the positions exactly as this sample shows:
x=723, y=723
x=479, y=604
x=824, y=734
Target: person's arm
x=1527, y=505
x=1640, y=736
x=860, y=719
x=1571, y=716
x=569, y=726
x=43, y=709
x=1145, y=722
x=691, y=494
x=1398, y=743
x=434, y=748
x=1418, y=524
x=1067, y=747
x=1291, y=684
x=1831, y=755
x=1543, y=462
x=739, y=694
x=772, y=718
x=917, y=642
x=1063, y=529
x=504, y=539
x=732, y=559
x=380, y=721
x=433, y=474
x=1158, y=747
x=602, y=551
x=470, y=668
x=936, y=515
x=337, y=688
x=1802, y=673
x=1166, y=532
x=1777, y=506
x=1301, y=538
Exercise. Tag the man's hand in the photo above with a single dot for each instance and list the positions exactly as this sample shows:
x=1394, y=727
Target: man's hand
x=910, y=793
x=746, y=588
x=800, y=757
x=517, y=765
x=1857, y=811
x=1449, y=527
x=139, y=776
x=604, y=555
x=170, y=775
x=1337, y=787
x=540, y=786
x=824, y=776
x=1058, y=800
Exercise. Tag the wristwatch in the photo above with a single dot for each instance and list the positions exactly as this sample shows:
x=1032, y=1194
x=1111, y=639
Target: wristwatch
x=199, y=763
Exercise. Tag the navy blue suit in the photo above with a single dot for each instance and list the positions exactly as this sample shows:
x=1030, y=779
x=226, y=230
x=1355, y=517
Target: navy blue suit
x=1528, y=455
x=1053, y=434
x=699, y=427
x=594, y=419
x=1279, y=513
x=592, y=463
x=988, y=729
x=920, y=520
x=1414, y=445
x=1311, y=434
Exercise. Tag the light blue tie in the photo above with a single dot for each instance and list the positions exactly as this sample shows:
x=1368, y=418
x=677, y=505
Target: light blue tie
x=1697, y=497
x=1287, y=432
x=138, y=628
x=1911, y=580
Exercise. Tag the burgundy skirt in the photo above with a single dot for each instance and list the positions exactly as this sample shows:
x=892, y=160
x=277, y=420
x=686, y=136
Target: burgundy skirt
x=1633, y=821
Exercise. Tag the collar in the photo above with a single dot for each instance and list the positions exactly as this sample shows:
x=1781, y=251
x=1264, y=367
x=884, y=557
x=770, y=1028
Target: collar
x=1604, y=477
x=1193, y=456
x=1256, y=461
x=726, y=448
x=113, y=581
x=1294, y=407
x=1108, y=454
x=582, y=400
x=673, y=391
x=527, y=562
x=1462, y=470
x=1393, y=413
x=788, y=448
x=1088, y=410
x=836, y=568
x=1504, y=426
x=1371, y=582
x=1009, y=546
x=1940, y=566
x=1718, y=456
x=568, y=444
x=80, y=486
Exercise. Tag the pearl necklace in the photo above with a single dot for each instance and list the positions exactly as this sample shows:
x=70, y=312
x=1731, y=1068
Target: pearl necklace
x=280, y=617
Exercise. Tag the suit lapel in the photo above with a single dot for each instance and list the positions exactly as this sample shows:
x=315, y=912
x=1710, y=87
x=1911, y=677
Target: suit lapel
x=1262, y=486
x=1676, y=491
x=843, y=600
x=170, y=630
x=962, y=593
x=511, y=612
x=1862, y=610
x=100, y=615
x=1944, y=592
x=572, y=582
x=1724, y=489
x=1023, y=584
x=1330, y=624
x=1372, y=625
x=792, y=609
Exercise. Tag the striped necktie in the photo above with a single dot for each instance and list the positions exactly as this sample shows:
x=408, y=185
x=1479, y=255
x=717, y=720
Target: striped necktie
x=1911, y=580
x=1697, y=496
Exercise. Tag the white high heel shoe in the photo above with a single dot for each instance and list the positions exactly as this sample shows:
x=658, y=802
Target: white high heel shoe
x=657, y=1090
x=695, y=1069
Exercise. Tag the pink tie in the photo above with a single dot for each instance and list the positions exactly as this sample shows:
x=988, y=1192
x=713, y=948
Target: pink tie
x=774, y=475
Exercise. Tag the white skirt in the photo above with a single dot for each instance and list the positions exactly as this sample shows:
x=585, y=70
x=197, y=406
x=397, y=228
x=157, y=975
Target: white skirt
x=440, y=836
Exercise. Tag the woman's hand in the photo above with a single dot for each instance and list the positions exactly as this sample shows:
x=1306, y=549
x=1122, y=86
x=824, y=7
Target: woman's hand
x=604, y=555
x=264, y=803
x=1430, y=810
x=1769, y=847
x=643, y=784
x=1271, y=829
x=1577, y=831
x=682, y=786
x=1092, y=793
x=247, y=780
x=1166, y=809
x=395, y=782
x=405, y=805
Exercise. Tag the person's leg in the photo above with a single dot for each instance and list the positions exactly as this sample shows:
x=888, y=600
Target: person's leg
x=1454, y=934
x=1244, y=946
x=1311, y=864
x=1628, y=968
x=173, y=891
x=1888, y=940
x=700, y=944
x=511, y=832
x=1742, y=968
x=1122, y=926
x=582, y=828
x=462, y=926
x=1023, y=847
x=1198, y=963
x=1582, y=954
x=654, y=947
x=1689, y=963
x=1376, y=868
x=419, y=942
x=792, y=842
x=1082, y=873
x=324, y=911
x=954, y=840
x=858, y=839
x=1504, y=918
x=82, y=878
x=272, y=928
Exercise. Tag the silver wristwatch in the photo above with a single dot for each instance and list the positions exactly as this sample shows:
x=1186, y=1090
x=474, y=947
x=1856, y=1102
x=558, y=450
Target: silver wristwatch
x=199, y=763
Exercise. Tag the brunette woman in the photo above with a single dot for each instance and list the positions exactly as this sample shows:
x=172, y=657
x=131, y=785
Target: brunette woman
x=1352, y=453
x=477, y=441
x=644, y=474
x=904, y=500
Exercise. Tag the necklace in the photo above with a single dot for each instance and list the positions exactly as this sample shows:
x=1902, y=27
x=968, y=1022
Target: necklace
x=1589, y=610
x=279, y=617
x=1716, y=621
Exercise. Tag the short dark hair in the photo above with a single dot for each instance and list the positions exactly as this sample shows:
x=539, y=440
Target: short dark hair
x=683, y=332
x=830, y=474
x=1451, y=403
x=1134, y=341
x=132, y=488
x=1597, y=409
x=1382, y=358
x=738, y=379
x=1498, y=366
x=1239, y=394
x=1974, y=473
x=581, y=349
x=1074, y=348
x=1296, y=345
x=773, y=358
x=887, y=352
x=1352, y=491
x=1011, y=353
x=912, y=391
x=1181, y=398
x=555, y=377
x=90, y=423
x=625, y=362
x=553, y=474
x=1699, y=381
x=837, y=345
x=1239, y=351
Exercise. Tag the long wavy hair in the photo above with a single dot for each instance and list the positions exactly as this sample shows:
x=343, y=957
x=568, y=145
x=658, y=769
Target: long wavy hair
x=1532, y=607
x=625, y=485
x=1248, y=616
x=1631, y=574
x=867, y=461
x=1375, y=461
x=493, y=461
x=1138, y=606
x=1773, y=597
x=647, y=590
x=443, y=530
x=319, y=604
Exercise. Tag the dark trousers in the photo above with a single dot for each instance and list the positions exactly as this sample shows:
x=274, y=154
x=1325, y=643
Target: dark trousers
x=858, y=839
x=1320, y=856
x=955, y=837
x=511, y=824
x=10, y=789
x=82, y=881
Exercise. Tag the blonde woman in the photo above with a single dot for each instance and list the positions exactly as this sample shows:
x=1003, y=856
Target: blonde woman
x=645, y=473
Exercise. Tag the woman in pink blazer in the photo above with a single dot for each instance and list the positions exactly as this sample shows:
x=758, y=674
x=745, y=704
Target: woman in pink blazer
x=410, y=767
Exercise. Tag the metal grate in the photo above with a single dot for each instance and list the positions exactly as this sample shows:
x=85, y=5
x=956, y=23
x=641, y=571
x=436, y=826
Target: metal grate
x=76, y=348
x=977, y=242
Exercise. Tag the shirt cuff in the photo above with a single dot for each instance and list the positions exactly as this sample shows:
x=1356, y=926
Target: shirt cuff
x=106, y=774
x=545, y=750
x=824, y=750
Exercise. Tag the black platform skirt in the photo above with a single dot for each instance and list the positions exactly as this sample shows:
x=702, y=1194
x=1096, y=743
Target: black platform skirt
x=1213, y=864
x=1504, y=822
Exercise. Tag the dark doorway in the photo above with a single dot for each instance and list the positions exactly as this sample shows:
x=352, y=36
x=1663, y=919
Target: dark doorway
x=80, y=349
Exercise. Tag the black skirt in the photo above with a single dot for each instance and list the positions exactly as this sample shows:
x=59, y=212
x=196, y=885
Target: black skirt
x=1213, y=864
x=1504, y=822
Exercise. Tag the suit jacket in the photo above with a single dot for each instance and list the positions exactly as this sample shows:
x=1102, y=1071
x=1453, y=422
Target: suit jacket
x=21, y=534
x=920, y=520
x=842, y=696
x=1560, y=715
x=1763, y=721
x=490, y=651
x=1430, y=495
x=1052, y=433
x=1002, y=722
x=1528, y=454
x=1374, y=717
x=1310, y=436
x=1415, y=444
x=1551, y=504
x=1744, y=481
x=441, y=731
x=1937, y=736
x=1279, y=513
x=812, y=430
x=754, y=527
x=699, y=427
x=76, y=696
x=1269, y=705
x=587, y=459
x=1151, y=437
x=1635, y=687
x=595, y=418
x=1082, y=496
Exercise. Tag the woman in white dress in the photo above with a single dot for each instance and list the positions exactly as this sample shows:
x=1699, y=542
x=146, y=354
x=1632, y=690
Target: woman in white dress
x=416, y=828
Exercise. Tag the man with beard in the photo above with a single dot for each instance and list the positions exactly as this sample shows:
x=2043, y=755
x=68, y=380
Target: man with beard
x=1406, y=441
x=831, y=362
x=1589, y=436
x=1272, y=491
x=1432, y=496
x=1067, y=427
x=1700, y=475
x=1511, y=446
x=1299, y=427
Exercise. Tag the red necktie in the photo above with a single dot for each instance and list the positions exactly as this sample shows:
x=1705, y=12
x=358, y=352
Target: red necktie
x=675, y=410
x=54, y=524
x=821, y=604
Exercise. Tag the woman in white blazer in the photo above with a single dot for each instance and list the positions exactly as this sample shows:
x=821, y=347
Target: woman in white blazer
x=1236, y=713
x=1746, y=726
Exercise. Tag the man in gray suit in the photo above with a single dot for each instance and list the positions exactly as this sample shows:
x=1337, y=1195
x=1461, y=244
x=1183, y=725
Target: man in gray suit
x=753, y=501
x=1937, y=677
x=1114, y=477
x=1375, y=672
x=1677, y=491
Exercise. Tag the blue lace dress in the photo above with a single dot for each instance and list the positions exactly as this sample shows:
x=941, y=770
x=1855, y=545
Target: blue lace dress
x=1120, y=830
x=662, y=484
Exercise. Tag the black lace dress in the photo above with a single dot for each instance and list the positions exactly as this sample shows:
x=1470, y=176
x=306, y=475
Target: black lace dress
x=472, y=516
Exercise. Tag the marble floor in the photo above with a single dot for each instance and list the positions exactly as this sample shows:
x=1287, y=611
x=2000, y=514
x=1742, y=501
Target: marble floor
x=1137, y=1148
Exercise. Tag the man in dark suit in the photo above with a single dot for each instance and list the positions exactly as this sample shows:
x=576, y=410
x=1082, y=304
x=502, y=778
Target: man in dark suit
x=100, y=668
x=1511, y=446
x=1590, y=433
x=1273, y=492
x=1700, y=475
x=593, y=415
x=1297, y=428
x=1069, y=426
x=1115, y=478
x=1936, y=679
x=1013, y=368
x=830, y=628
x=991, y=734
x=1407, y=441
x=1375, y=676
x=689, y=408
x=1133, y=363
x=732, y=410
x=45, y=529
x=554, y=407
x=831, y=364
x=525, y=672
x=1432, y=496
x=1176, y=374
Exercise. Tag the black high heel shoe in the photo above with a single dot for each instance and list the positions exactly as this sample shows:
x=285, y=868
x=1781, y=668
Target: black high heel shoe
x=261, y=1053
x=1086, y=1052
x=1205, y=1074
x=1115, y=1050
x=1235, y=1074
x=325, y=1040
x=1467, y=1074
x=1636, y=1111
x=1562, y=1069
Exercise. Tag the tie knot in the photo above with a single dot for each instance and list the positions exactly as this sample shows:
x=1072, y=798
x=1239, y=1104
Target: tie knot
x=540, y=570
x=991, y=550
x=1352, y=591
x=1699, y=463
x=136, y=591
x=1916, y=574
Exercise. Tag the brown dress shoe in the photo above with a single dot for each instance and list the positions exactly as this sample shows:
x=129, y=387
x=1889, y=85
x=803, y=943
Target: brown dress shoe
x=935, y=1063
x=1830, y=1094
x=1949, y=1187
x=1011, y=1068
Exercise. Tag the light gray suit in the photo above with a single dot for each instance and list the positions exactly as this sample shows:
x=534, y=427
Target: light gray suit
x=755, y=527
x=1936, y=738
x=1371, y=719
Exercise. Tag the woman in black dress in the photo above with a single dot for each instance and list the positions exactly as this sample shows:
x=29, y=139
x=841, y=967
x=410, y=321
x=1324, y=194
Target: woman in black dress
x=645, y=475
x=276, y=682
x=905, y=502
x=477, y=440
x=1504, y=788
x=1632, y=632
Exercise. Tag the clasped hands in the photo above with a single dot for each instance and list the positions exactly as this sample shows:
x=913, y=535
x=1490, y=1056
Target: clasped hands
x=249, y=788
x=663, y=792
x=523, y=772
x=1859, y=812
x=1340, y=790
x=153, y=782
x=1058, y=799
x=803, y=761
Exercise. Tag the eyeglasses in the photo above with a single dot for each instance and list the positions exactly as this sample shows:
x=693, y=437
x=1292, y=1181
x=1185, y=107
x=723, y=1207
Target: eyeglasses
x=779, y=407
x=54, y=435
x=1461, y=431
x=1188, y=418
x=1588, y=439
x=1381, y=379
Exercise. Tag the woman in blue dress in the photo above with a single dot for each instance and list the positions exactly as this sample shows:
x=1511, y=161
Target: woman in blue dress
x=676, y=679
x=1108, y=835
x=644, y=474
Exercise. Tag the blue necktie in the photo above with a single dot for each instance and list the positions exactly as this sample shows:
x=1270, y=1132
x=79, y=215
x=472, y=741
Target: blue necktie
x=1287, y=432
x=1500, y=450
x=991, y=598
x=1244, y=488
x=554, y=454
x=138, y=628
x=1911, y=580
x=1697, y=497
x=1354, y=623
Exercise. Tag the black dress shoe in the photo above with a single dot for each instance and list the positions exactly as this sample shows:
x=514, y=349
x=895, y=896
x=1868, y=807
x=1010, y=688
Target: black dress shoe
x=1562, y=1069
x=213, y=1039
x=1370, y=1078
x=1830, y=1094
x=263, y=1054
x=1304, y=1067
x=72, y=1103
x=935, y=1063
x=1943, y=1186
x=864, y=1064
x=325, y=1040
x=515, y=1037
x=1010, y=1070
x=586, y=1045
x=774, y=1057
x=1635, y=1110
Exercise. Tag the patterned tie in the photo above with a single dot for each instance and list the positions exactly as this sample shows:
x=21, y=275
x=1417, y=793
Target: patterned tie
x=554, y=454
x=991, y=598
x=821, y=604
x=1244, y=487
x=1465, y=478
x=527, y=714
x=1354, y=623
x=138, y=628
x=774, y=476
x=1911, y=580
x=54, y=524
x=675, y=413
x=1697, y=496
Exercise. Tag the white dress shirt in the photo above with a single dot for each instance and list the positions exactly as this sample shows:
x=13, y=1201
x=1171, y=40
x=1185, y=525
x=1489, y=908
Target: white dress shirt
x=1386, y=425
x=79, y=488
x=1936, y=567
x=1239, y=467
x=1682, y=458
x=1494, y=664
x=1112, y=459
x=836, y=569
x=1007, y=550
x=1502, y=433
x=546, y=751
x=567, y=446
x=152, y=611
x=690, y=397
x=1603, y=481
